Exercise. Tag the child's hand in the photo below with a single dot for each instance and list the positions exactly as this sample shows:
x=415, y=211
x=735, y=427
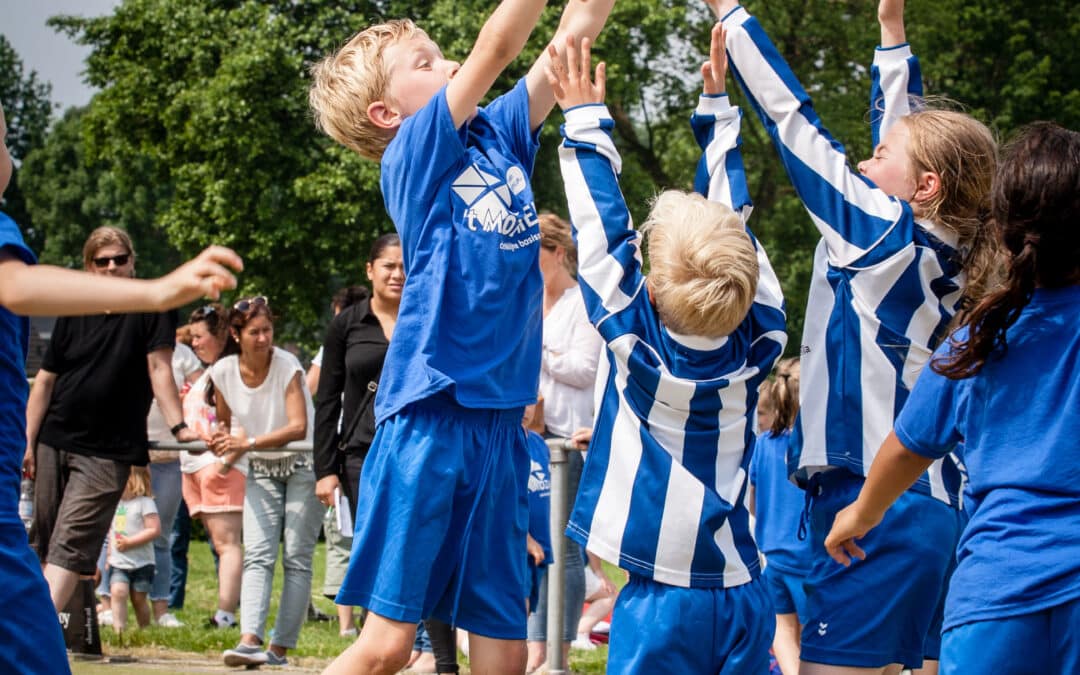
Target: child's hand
x=535, y=550
x=121, y=542
x=570, y=81
x=714, y=71
x=848, y=526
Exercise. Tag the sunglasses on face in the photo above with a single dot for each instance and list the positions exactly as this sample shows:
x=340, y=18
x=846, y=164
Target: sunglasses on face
x=247, y=303
x=104, y=261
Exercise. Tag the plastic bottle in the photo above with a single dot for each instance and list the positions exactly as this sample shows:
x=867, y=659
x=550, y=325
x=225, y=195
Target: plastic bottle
x=26, y=502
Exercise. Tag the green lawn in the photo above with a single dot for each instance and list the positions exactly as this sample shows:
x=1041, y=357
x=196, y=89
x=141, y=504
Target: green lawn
x=319, y=641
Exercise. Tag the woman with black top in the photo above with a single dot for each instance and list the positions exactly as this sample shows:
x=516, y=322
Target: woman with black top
x=353, y=355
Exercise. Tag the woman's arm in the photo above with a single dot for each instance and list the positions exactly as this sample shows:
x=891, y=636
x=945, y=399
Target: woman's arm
x=294, y=429
x=576, y=365
x=328, y=410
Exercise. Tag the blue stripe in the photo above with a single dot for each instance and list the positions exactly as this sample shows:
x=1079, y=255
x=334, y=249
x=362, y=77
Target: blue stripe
x=843, y=352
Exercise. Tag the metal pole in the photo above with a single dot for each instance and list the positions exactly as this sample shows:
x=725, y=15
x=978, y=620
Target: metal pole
x=556, y=576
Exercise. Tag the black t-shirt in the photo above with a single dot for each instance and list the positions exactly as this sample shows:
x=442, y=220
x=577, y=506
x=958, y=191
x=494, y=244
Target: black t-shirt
x=353, y=355
x=102, y=392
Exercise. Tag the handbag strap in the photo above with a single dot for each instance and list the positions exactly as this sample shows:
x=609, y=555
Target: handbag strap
x=371, y=389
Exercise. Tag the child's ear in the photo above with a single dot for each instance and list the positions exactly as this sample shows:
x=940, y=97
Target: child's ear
x=927, y=186
x=648, y=288
x=383, y=116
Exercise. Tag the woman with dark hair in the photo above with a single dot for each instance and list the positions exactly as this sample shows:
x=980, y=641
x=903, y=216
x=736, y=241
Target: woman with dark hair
x=1006, y=386
x=263, y=404
x=214, y=496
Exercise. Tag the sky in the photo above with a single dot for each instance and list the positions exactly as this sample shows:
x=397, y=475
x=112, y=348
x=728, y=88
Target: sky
x=56, y=59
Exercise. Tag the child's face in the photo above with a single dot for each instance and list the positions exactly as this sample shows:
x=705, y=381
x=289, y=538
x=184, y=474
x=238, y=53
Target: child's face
x=417, y=71
x=890, y=167
x=5, y=158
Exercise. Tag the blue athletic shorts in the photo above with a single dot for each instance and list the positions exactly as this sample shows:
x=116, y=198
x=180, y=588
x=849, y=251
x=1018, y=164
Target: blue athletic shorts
x=35, y=642
x=658, y=628
x=1029, y=644
x=441, y=519
x=786, y=591
x=879, y=610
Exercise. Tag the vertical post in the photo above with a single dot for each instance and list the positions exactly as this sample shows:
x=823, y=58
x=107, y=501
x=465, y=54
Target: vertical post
x=556, y=574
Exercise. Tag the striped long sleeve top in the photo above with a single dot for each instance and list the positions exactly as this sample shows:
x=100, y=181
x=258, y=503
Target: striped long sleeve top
x=884, y=286
x=663, y=490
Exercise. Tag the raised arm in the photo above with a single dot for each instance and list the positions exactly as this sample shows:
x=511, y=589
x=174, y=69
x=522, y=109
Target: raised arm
x=609, y=249
x=852, y=215
x=500, y=41
x=895, y=76
x=582, y=19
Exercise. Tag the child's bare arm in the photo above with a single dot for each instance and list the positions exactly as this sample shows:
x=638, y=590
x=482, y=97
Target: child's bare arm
x=891, y=18
x=500, y=41
x=721, y=7
x=151, y=530
x=582, y=19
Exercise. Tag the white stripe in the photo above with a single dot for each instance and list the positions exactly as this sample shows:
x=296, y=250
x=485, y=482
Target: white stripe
x=813, y=401
x=678, y=527
x=894, y=74
x=735, y=572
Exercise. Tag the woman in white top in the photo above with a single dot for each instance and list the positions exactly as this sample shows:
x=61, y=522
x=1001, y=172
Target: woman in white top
x=262, y=398
x=215, y=497
x=571, y=350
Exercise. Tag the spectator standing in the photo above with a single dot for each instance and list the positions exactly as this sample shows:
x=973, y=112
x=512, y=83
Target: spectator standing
x=261, y=398
x=86, y=419
x=571, y=351
x=215, y=496
x=165, y=480
x=135, y=527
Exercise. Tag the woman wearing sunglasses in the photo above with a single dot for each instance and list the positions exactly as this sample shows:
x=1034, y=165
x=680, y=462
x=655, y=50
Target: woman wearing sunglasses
x=263, y=404
x=215, y=496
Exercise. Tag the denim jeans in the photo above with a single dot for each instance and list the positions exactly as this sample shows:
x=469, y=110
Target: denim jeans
x=179, y=539
x=273, y=505
x=574, y=589
x=165, y=481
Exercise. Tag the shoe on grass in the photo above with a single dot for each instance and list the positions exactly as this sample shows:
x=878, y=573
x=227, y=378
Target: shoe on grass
x=583, y=642
x=168, y=620
x=104, y=617
x=246, y=655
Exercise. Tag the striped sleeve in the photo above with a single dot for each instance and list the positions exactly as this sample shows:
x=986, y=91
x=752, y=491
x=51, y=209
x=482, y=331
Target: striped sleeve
x=895, y=88
x=852, y=214
x=609, y=249
x=721, y=177
x=720, y=174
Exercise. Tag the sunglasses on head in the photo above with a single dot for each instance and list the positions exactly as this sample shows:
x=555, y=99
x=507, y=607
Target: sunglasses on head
x=203, y=312
x=104, y=261
x=247, y=303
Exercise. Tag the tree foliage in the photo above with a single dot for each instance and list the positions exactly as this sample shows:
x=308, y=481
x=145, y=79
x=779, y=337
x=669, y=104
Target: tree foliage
x=201, y=133
x=27, y=108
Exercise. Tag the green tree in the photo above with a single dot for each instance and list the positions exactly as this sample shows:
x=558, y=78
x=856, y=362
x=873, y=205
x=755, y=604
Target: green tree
x=27, y=109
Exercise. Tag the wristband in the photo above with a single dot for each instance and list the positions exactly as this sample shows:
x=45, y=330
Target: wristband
x=178, y=428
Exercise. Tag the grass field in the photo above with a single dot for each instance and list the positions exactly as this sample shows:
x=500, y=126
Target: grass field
x=197, y=643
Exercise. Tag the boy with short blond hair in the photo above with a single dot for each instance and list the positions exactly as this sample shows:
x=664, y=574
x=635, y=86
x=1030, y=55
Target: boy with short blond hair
x=442, y=511
x=663, y=494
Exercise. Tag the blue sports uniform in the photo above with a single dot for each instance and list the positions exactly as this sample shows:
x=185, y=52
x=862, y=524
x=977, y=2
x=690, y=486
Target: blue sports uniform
x=442, y=510
x=539, y=508
x=778, y=507
x=663, y=490
x=883, y=290
x=1014, y=600
x=35, y=642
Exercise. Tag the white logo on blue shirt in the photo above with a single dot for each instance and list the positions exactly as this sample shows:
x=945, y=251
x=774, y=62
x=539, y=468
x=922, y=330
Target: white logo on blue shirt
x=490, y=201
x=538, y=480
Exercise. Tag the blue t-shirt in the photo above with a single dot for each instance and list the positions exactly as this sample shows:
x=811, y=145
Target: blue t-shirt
x=1019, y=420
x=14, y=337
x=539, y=494
x=461, y=200
x=778, y=505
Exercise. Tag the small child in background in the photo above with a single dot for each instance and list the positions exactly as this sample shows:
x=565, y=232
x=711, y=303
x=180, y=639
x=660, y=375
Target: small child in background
x=131, y=549
x=777, y=504
x=538, y=539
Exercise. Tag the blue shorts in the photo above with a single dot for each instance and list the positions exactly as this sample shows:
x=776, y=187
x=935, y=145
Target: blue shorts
x=786, y=591
x=35, y=642
x=441, y=519
x=658, y=628
x=1037, y=643
x=139, y=580
x=878, y=611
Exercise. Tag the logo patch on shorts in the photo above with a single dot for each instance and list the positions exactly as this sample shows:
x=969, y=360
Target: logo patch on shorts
x=822, y=628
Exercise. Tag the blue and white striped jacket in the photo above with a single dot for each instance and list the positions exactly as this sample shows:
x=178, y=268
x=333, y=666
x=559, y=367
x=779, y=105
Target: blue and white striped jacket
x=663, y=490
x=884, y=285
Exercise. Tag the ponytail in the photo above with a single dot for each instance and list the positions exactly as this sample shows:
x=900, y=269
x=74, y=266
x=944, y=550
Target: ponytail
x=782, y=395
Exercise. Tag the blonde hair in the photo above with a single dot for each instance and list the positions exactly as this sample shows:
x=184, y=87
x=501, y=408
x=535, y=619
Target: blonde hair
x=346, y=82
x=780, y=395
x=554, y=231
x=138, y=483
x=103, y=236
x=963, y=153
x=703, y=266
